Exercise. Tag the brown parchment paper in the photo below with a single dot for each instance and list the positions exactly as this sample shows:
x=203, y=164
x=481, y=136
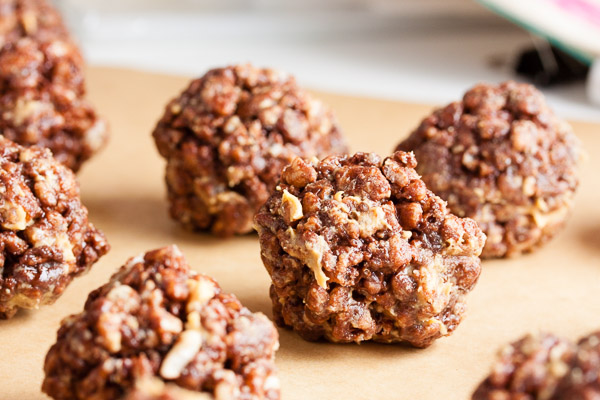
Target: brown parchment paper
x=556, y=289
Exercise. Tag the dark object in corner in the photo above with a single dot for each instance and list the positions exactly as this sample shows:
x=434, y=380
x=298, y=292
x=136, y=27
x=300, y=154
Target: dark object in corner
x=548, y=65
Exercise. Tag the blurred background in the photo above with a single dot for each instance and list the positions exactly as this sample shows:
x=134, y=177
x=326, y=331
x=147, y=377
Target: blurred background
x=427, y=51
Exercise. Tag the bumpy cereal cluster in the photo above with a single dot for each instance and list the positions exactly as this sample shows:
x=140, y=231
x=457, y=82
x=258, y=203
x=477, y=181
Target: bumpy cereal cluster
x=545, y=367
x=501, y=157
x=45, y=237
x=359, y=249
x=157, y=330
x=41, y=84
x=226, y=139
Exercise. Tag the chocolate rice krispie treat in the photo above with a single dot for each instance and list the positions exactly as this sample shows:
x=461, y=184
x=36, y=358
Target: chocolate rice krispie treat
x=158, y=329
x=41, y=84
x=45, y=237
x=545, y=367
x=226, y=139
x=501, y=157
x=359, y=249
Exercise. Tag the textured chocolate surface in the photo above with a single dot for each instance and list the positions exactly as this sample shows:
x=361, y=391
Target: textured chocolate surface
x=41, y=84
x=45, y=237
x=359, y=249
x=545, y=367
x=158, y=329
x=226, y=139
x=501, y=157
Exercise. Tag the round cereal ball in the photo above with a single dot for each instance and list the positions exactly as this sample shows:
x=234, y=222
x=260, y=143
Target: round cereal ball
x=501, y=157
x=545, y=367
x=359, y=249
x=45, y=237
x=42, y=93
x=157, y=327
x=226, y=139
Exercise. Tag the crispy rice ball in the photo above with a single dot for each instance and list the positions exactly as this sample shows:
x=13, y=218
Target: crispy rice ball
x=501, y=157
x=226, y=139
x=359, y=249
x=160, y=329
x=41, y=84
x=545, y=367
x=45, y=237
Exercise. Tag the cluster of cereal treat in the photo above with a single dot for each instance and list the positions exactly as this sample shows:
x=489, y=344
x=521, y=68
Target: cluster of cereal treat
x=45, y=237
x=41, y=84
x=157, y=321
x=226, y=139
x=358, y=247
x=501, y=157
x=545, y=367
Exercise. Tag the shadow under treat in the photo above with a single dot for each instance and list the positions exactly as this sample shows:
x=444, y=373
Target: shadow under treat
x=292, y=343
x=142, y=216
x=590, y=237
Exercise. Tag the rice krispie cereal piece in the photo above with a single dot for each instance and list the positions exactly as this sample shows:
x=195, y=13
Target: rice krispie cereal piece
x=45, y=237
x=226, y=139
x=359, y=249
x=159, y=329
x=501, y=157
